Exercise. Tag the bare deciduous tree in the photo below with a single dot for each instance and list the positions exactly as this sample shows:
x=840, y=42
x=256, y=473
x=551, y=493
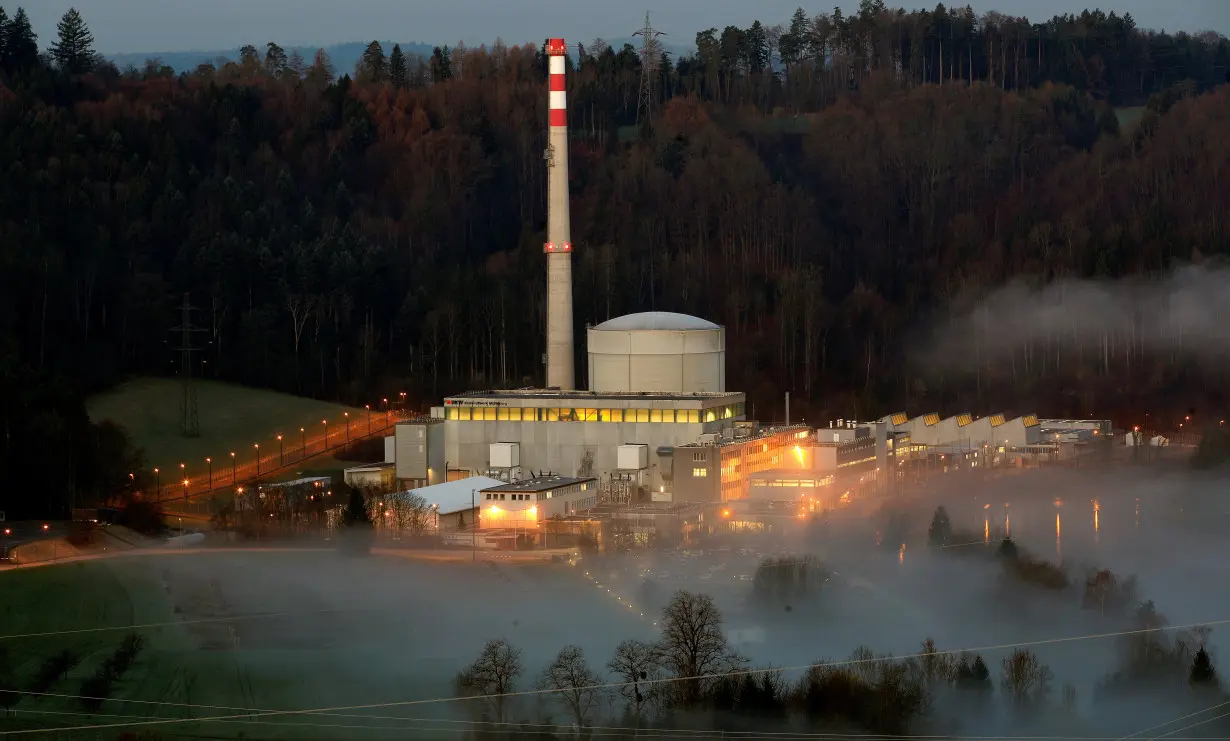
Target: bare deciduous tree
x=693, y=646
x=574, y=684
x=1026, y=680
x=638, y=666
x=492, y=675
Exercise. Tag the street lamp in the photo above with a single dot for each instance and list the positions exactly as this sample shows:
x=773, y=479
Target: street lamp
x=325, y=422
x=257, y=446
x=347, y=416
x=210, y=461
x=280, y=461
x=185, y=488
x=234, y=477
x=158, y=483
x=302, y=443
x=368, y=407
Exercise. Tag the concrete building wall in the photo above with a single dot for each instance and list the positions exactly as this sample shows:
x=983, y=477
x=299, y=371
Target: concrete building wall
x=561, y=447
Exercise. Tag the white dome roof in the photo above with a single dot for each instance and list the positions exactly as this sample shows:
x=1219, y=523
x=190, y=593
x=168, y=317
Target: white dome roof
x=656, y=320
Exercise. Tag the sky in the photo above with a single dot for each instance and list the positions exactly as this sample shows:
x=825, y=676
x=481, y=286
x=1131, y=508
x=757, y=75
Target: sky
x=128, y=26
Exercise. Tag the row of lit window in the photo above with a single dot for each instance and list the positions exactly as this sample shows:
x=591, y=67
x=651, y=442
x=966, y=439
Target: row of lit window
x=805, y=483
x=568, y=414
x=856, y=463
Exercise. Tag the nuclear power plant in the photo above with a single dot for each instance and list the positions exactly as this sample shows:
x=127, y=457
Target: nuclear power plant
x=657, y=441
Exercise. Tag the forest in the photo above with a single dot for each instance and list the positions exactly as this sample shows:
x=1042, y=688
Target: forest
x=830, y=188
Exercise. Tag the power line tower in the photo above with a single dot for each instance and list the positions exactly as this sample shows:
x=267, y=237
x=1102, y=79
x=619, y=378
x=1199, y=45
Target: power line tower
x=189, y=418
x=651, y=57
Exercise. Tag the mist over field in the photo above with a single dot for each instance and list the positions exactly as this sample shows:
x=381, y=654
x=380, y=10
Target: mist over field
x=391, y=629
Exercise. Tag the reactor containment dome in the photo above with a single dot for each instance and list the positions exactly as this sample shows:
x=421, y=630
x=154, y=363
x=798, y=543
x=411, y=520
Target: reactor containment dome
x=657, y=351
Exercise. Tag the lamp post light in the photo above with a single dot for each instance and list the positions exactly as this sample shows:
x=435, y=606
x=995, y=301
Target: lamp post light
x=158, y=484
x=302, y=443
x=280, y=461
x=347, y=417
x=234, y=475
x=257, y=446
x=210, y=462
x=185, y=488
x=368, y=407
x=183, y=474
x=325, y=422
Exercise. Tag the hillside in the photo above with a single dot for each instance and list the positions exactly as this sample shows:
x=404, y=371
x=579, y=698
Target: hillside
x=232, y=418
x=838, y=211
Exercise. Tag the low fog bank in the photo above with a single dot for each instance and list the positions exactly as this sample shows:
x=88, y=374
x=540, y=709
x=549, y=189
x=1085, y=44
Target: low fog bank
x=1183, y=312
x=376, y=630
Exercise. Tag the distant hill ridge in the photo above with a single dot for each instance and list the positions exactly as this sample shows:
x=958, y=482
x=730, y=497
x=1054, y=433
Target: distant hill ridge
x=344, y=56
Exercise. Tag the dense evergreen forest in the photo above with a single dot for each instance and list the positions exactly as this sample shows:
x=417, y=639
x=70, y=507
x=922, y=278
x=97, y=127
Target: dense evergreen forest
x=827, y=188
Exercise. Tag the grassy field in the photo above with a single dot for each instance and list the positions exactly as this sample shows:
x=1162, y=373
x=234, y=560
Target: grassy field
x=231, y=418
x=331, y=632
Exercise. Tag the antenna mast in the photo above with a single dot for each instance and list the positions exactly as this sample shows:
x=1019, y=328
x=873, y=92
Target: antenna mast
x=651, y=57
x=189, y=418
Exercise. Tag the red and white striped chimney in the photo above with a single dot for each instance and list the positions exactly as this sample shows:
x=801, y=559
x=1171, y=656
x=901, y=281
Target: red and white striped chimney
x=560, y=354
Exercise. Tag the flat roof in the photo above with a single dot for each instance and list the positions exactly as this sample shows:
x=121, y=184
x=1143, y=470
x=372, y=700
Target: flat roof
x=371, y=466
x=454, y=496
x=544, y=483
x=761, y=433
x=591, y=395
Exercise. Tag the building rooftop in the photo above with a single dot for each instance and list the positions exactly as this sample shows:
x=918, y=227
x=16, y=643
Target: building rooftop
x=656, y=321
x=572, y=394
x=298, y=482
x=757, y=435
x=542, y=483
x=372, y=466
x=455, y=496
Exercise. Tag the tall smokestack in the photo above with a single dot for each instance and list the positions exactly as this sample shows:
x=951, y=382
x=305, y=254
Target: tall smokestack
x=559, y=243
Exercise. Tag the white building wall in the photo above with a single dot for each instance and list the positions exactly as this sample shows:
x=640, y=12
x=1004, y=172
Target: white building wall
x=657, y=360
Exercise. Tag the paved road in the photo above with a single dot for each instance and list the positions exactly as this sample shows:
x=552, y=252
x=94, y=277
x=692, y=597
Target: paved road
x=274, y=456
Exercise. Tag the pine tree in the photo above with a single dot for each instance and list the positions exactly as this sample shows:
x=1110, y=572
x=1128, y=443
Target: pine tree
x=940, y=531
x=356, y=510
x=371, y=67
x=398, y=73
x=20, y=43
x=4, y=32
x=73, y=51
x=1202, y=674
x=275, y=60
x=441, y=64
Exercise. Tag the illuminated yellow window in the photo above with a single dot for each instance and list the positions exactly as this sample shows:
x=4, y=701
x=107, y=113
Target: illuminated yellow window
x=502, y=414
x=515, y=414
x=700, y=473
x=728, y=412
x=552, y=415
x=694, y=416
x=589, y=415
x=451, y=413
x=710, y=416
x=636, y=415
x=463, y=413
x=655, y=415
x=489, y=414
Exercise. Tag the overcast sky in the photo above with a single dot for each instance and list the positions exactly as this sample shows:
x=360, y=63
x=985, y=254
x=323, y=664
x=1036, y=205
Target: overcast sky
x=189, y=25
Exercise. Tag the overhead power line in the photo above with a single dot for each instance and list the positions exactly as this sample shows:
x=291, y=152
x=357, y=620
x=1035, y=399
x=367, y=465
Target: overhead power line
x=327, y=711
